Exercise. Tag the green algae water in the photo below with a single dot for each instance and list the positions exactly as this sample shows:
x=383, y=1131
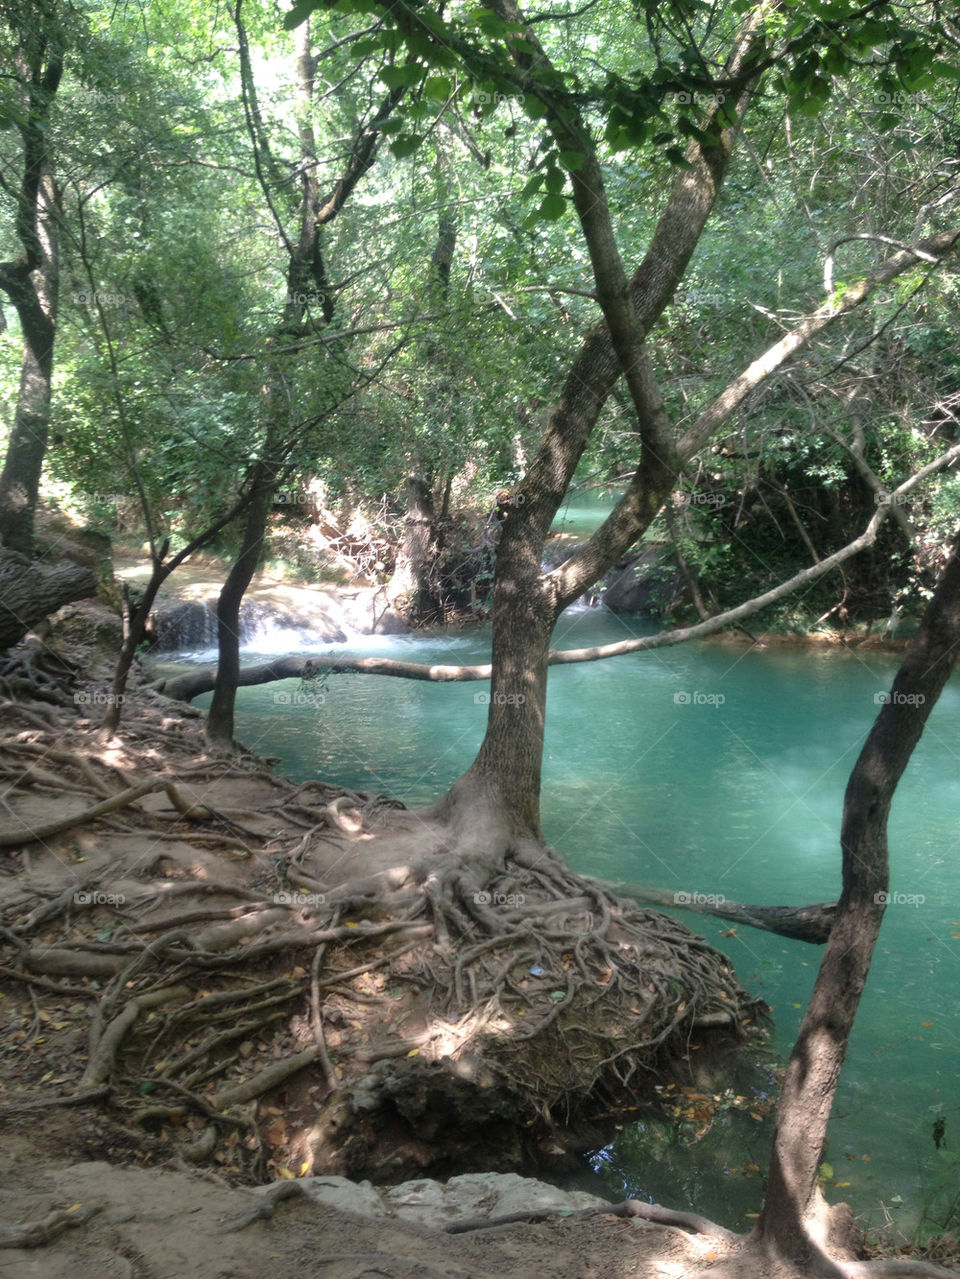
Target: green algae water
x=716, y=770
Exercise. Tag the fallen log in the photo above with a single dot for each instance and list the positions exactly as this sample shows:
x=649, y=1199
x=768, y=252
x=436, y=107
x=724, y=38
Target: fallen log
x=802, y=923
x=30, y=591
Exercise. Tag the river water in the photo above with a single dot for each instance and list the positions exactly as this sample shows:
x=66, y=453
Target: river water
x=717, y=770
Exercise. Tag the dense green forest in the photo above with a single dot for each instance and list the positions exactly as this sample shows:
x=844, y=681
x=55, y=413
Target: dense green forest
x=363, y=292
x=422, y=316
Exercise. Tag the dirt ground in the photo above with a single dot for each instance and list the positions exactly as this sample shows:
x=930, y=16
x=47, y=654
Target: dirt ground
x=161, y=1223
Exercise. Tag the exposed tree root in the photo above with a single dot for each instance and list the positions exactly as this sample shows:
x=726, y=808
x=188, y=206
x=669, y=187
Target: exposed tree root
x=34, y=1234
x=628, y=1208
x=356, y=945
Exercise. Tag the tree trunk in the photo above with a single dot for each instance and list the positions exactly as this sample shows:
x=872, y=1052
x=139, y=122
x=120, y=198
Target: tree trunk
x=220, y=716
x=20, y=480
x=32, y=281
x=30, y=591
x=527, y=602
x=306, y=280
x=509, y=761
x=411, y=592
x=795, y=1220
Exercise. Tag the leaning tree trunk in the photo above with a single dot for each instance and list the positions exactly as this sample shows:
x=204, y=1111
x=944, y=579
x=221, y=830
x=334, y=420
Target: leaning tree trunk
x=505, y=775
x=527, y=601
x=220, y=716
x=30, y=591
x=795, y=1220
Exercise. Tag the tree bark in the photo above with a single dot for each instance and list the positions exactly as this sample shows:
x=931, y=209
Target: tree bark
x=30, y=591
x=220, y=715
x=410, y=591
x=32, y=281
x=795, y=1219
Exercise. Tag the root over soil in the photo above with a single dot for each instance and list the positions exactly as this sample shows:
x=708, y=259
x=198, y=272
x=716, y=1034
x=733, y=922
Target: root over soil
x=288, y=979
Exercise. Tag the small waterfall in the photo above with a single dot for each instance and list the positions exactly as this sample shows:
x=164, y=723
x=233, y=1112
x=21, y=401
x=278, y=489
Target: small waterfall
x=184, y=627
x=190, y=626
x=554, y=553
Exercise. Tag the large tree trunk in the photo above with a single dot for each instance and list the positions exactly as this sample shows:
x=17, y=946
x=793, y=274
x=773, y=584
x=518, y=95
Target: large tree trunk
x=795, y=1221
x=30, y=591
x=509, y=761
x=411, y=592
x=20, y=480
x=32, y=281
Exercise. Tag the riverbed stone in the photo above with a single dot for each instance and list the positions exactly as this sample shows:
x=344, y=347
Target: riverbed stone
x=482, y=1194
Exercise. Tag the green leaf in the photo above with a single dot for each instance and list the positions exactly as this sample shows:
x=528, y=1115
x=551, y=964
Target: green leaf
x=573, y=160
x=555, y=180
x=406, y=144
x=438, y=86
x=553, y=207
x=299, y=13
x=533, y=107
x=533, y=186
x=676, y=156
x=402, y=77
x=363, y=48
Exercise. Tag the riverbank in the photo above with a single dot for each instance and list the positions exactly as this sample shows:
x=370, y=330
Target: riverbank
x=152, y=851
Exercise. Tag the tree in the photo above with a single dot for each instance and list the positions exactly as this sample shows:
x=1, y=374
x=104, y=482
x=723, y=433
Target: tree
x=796, y=1223
x=307, y=284
x=37, y=33
x=507, y=56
